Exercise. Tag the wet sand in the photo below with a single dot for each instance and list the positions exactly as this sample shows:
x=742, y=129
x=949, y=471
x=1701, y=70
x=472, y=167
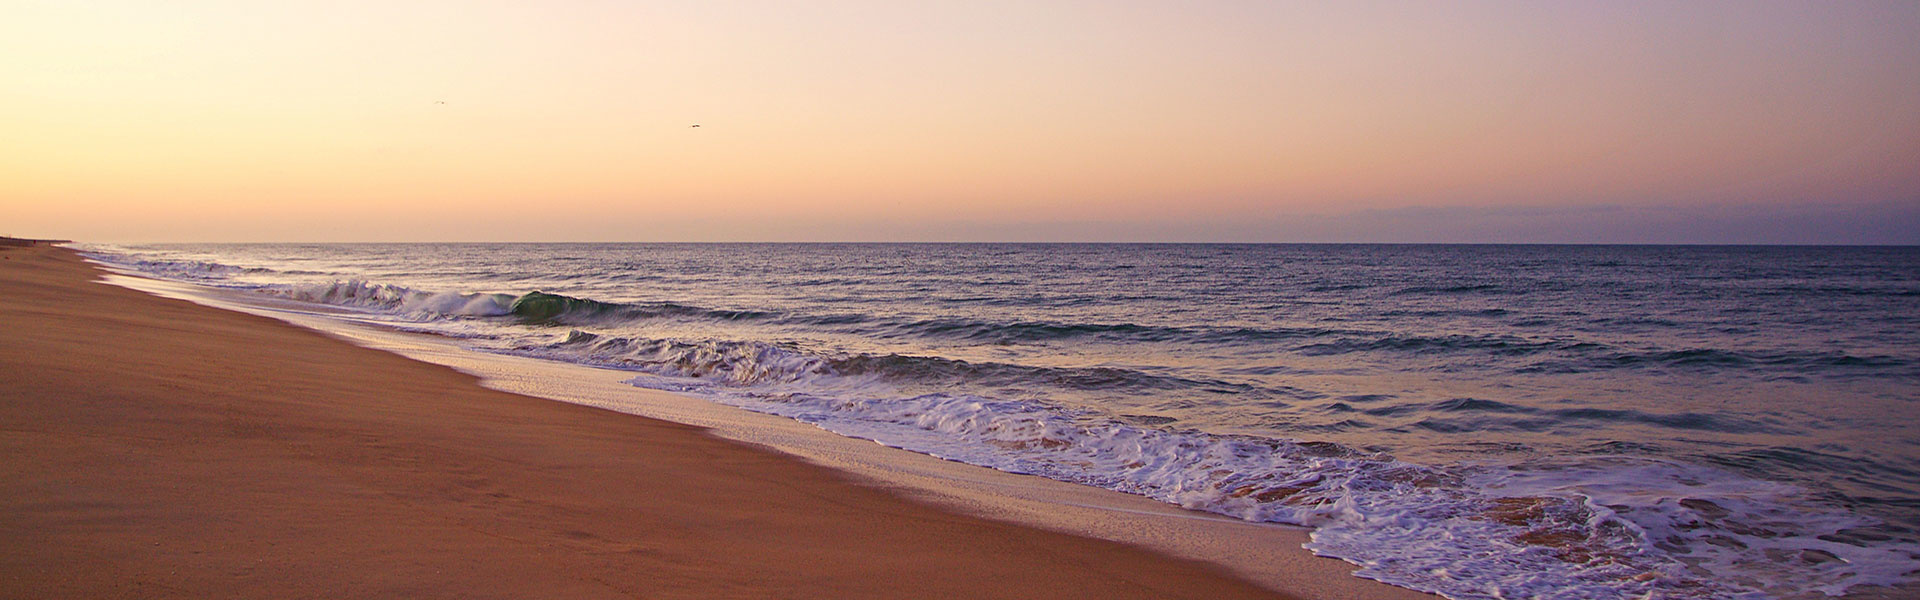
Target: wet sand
x=155, y=448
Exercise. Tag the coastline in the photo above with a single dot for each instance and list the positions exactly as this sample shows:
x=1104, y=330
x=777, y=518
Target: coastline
x=160, y=448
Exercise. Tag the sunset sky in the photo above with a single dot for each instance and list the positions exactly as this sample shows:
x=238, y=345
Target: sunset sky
x=1605, y=121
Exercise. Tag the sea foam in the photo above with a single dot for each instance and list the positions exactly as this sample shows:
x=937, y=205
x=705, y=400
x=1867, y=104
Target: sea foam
x=1589, y=525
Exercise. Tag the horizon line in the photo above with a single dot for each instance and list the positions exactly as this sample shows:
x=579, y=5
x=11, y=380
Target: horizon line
x=1039, y=242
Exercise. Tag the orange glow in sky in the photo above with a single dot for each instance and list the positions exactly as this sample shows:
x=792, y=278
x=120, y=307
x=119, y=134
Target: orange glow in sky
x=872, y=120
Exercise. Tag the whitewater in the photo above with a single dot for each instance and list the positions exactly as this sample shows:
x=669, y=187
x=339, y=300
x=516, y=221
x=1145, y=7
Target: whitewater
x=1473, y=421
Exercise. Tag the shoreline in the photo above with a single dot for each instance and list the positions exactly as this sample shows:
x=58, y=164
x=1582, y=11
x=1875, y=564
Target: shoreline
x=160, y=448
x=1264, y=553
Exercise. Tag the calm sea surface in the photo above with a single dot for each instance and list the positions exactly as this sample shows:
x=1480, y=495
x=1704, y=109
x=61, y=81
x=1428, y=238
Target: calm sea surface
x=1478, y=421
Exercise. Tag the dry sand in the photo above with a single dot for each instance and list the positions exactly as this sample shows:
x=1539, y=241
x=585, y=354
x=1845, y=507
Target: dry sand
x=153, y=448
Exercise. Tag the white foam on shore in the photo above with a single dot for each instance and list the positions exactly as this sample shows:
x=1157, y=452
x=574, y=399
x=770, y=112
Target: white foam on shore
x=1603, y=527
x=1263, y=553
x=1593, y=527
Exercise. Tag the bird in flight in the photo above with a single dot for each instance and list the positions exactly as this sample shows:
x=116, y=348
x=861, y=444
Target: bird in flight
x=696, y=125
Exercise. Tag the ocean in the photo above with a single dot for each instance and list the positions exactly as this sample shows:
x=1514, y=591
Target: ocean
x=1475, y=421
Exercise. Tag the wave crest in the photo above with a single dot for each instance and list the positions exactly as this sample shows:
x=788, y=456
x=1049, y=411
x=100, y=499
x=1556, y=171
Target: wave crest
x=1596, y=527
x=397, y=299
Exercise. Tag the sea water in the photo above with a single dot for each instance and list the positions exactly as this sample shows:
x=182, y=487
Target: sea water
x=1475, y=421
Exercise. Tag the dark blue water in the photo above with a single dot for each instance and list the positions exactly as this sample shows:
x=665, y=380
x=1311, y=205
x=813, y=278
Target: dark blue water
x=1733, y=420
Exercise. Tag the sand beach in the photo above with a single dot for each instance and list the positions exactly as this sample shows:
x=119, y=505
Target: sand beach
x=155, y=448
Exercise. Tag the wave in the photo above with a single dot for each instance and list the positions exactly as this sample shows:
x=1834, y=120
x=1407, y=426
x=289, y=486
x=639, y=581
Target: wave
x=1829, y=362
x=747, y=363
x=1427, y=290
x=1001, y=332
x=1805, y=290
x=735, y=363
x=1547, y=356
x=1575, y=356
x=1417, y=344
x=396, y=299
x=534, y=308
x=1597, y=527
x=1608, y=524
x=1556, y=356
x=189, y=270
x=541, y=307
x=1480, y=415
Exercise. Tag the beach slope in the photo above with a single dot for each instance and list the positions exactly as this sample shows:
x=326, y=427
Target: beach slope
x=154, y=448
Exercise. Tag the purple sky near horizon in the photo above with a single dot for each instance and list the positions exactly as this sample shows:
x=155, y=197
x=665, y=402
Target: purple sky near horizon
x=1584, y=122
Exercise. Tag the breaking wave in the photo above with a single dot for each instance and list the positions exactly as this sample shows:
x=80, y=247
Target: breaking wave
x=1607, y=527
x=1553, y=355
x=1615, y=522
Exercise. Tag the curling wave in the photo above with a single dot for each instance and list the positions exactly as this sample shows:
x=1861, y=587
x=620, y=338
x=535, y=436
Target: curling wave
x=952, y=377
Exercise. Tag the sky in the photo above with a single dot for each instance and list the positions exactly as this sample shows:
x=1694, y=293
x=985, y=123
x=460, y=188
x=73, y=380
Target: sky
x=1612, y=121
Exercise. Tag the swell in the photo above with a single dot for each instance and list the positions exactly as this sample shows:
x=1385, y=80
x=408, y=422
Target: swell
x=1578, y=356
x=1522, y=354
x=1593, y=526
x=198, y=271
x=1533, y=355
x=540, y=307
x=1476, y=415
x=747, y=363
x=544, y=308
x=396, y=299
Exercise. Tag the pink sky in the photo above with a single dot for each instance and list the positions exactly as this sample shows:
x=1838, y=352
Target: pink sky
x=1242, y=121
